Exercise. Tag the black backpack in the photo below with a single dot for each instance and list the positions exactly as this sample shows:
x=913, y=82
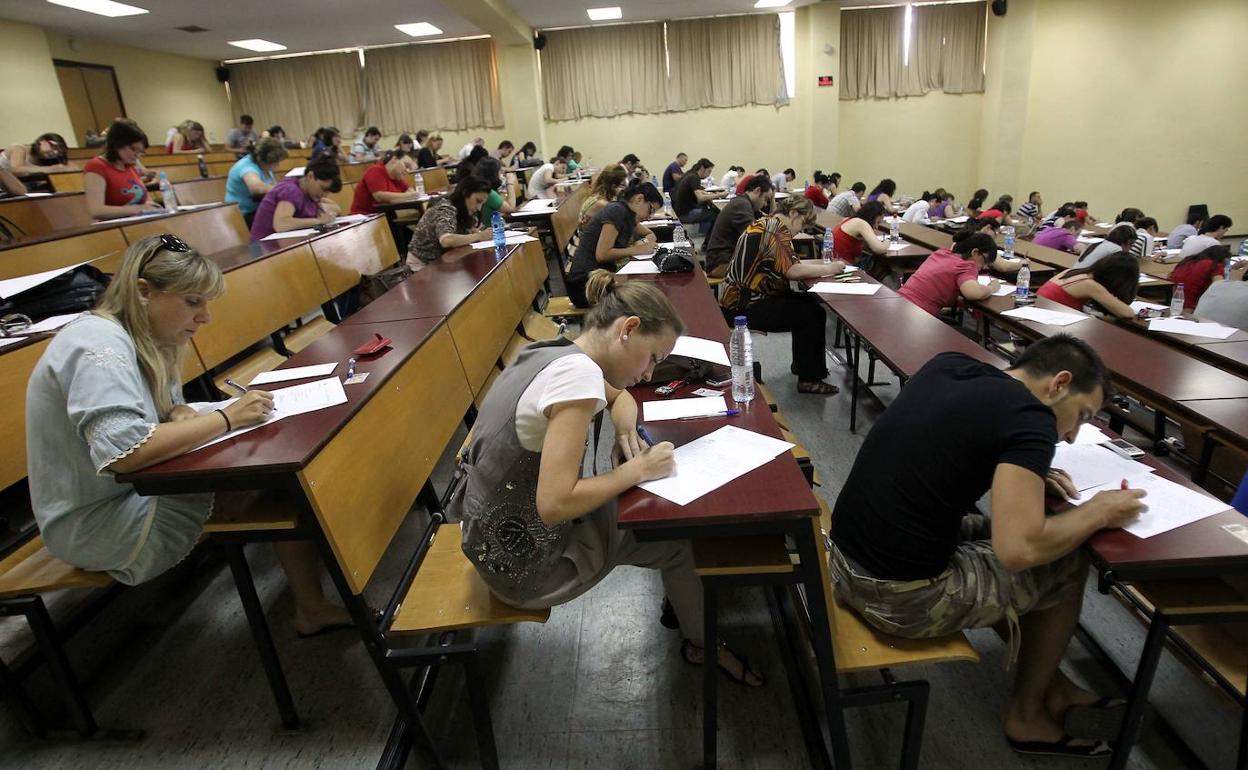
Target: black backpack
x=71, y=292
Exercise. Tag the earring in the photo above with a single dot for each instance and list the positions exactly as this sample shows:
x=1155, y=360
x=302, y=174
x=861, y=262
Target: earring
x=625, y=339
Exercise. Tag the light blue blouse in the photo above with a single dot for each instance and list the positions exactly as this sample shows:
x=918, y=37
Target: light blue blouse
x=87, y=406
x=236, y=190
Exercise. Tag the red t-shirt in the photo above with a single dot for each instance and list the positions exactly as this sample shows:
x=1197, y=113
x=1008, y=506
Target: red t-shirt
x=848, y=247
x=992, y=214
x=741, y=184
x=1196, y=276
x=375, y=180
x=937, y=282
x=121, y=188
x=186, y=146
x=817, y=196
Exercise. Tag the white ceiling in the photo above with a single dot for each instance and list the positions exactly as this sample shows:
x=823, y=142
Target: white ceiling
x=314, y=25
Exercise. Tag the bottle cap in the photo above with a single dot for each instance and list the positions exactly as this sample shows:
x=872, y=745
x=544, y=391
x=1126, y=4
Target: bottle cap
x=739, y=320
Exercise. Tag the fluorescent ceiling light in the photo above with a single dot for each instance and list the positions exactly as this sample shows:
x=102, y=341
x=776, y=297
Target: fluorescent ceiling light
x=101, y=7
x=771, y=3
x=256, y=44
x=418, y=29
x=606, y=14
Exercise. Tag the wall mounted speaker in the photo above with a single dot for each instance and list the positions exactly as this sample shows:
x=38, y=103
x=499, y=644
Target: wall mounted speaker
x=223, y=74
x=539, y=41
x=999, y=7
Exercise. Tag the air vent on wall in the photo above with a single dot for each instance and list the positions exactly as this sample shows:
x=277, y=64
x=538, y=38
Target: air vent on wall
x=193, y=28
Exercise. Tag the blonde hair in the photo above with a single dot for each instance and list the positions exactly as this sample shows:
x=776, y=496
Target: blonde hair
x=170, y=272
x=609, y=182
x=610, y=299
x=799, y=206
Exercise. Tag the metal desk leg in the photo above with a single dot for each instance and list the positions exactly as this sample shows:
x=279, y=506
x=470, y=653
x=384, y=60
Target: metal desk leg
x=1144, y=673
x=710, y=670
x=853, y=386
x=1206, y=459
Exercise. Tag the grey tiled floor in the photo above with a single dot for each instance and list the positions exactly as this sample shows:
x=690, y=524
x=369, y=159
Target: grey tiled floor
x=600, y=685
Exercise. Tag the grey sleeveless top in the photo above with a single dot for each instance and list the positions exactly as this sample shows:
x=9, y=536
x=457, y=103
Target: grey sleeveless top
x=503, y=535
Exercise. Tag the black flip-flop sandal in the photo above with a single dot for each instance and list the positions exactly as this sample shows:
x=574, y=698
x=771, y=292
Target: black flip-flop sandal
x=686, y=654
x=1100, y=720
x=1063, y=748
x=668, y=619
x=335, y=627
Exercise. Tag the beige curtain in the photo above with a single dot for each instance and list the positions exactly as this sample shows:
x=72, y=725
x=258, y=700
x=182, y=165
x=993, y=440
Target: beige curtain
x=300, y=93
x=725, y=62
x=604, y=71
x=947, y=47
x=871, y=52
x=444, y=86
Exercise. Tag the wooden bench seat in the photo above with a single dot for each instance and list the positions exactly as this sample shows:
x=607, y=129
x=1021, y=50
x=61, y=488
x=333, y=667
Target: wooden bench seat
x=538, y=327
x=196, y=191
x=32, y=570
x=448, y=594
x=562, y=307
x=718, y=556
x=311, y=331
x=252, y=511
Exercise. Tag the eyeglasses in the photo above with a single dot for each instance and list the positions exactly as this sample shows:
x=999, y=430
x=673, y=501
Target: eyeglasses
x=168, y=242
x=15, y=323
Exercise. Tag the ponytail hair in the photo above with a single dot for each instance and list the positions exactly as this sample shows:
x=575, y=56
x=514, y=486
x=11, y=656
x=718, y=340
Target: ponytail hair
x=977, y=200
x=176, y=270
x=646, y=190
x=611, y=299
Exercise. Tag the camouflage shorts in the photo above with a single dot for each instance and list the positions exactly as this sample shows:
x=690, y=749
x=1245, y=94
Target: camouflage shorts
x=974, y=591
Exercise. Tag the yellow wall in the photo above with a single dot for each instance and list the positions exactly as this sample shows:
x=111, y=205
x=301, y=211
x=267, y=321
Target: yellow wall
x=32, y=94
x=1140, y=103
x=159, y=89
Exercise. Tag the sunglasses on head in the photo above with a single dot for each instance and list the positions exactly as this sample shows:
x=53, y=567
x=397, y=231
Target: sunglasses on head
x=168, y=242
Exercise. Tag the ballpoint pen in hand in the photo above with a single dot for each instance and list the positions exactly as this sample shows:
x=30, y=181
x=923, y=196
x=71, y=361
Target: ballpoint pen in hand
x=235, y=385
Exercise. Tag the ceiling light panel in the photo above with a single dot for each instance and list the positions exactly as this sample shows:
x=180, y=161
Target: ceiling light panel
x=418, y=29
x=604, y=14
x=256, y=44
x=101, y=7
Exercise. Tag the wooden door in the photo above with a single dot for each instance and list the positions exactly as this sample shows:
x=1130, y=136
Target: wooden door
x=77, y=102
x=91, y=95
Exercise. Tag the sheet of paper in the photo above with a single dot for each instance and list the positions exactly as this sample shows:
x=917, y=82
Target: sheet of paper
x=1170, y=505
x=1140, y=304
x=351, y=219
x=38, y=195
x=674, y=245
x=1089, y=239
x=1088, y=435
x=1049, y=317
x=831, y=287
x=701, y=349
x=307, y=232
x=14, y=286
x=1104, y=224
x=1146, y=277
x=537, y=204
x=1002, y=290
x=639, y=267
x=1091, y=466
x=287, y=402
x=683, y=407
x=512, y=239
x=52, y=324
x=707, y=463
x=897, y=246
x=137, y=217
x=1193, y=328
x=6, y=341
x=296, y=171
x=194, y=206
x=958, y=220
x=659, y=222
x=296, y=373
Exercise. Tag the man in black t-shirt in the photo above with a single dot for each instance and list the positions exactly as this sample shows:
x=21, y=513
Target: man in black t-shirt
x=732, y=221
x=691, y=203
x=914, y=560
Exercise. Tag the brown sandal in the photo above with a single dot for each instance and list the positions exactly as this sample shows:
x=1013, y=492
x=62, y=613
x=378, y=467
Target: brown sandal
x=818, y=388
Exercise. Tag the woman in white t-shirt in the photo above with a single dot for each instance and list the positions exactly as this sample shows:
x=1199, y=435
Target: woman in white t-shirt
x=541, y=534
x=917, y=213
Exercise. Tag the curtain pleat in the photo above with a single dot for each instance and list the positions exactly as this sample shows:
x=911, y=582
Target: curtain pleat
x=725, y=62
x=444, y=86
x=604, y=71
x=946, y=51
x=300, y=93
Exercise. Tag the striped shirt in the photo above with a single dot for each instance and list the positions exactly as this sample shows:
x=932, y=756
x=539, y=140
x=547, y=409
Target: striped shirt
x=1029, y=210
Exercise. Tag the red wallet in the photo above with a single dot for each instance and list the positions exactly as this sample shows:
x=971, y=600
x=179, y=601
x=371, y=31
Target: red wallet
x=373, y=346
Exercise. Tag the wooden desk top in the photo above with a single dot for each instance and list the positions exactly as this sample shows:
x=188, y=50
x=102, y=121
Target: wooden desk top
x=436, y=290
x=107, y=225
x=1161, y=371
x=1229, y=416
x=1230, y=354
x=268, y=457
x=772, y=492
x=905, y=336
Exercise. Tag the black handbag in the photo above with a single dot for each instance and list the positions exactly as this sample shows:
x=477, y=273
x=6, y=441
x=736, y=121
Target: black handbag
x=71, y=292
x=677, y=260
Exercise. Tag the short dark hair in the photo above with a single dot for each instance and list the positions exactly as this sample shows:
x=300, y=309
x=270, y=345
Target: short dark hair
x=565, y=152
x=1129, y=214
x=277, y=130
x=122, y=133
x=1032, y=194
x=1215, y=222
x=977, y=199
x=870, y=211
x=1003, y=206
x=506, y=145
x=469, y=184
x=1143, y=223
x=405, y=139
x=682, y=153
x=1065, y=353
x=984, y=243
x=757, y=182
x=646, y=190
x=325, y=169
x=701, y=164
x=246, y=120
x=630, y=158
x=790, y=172
x=886, y=186
x=1121, y=234
x=1195, y=217
x=372, y=131
x=858, y=187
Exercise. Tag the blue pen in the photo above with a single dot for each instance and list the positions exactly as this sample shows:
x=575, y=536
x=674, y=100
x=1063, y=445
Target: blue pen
x=645, y=436
x=725, y=413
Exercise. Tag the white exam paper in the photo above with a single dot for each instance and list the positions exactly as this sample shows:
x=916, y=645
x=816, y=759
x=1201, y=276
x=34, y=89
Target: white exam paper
x=296, y=171
x=1049, y=317
x=832, y=287
x=897, y=246
x=683, y=407
x=295, y=373
x=639, y=267
x=958, y=220
x=537, y=204
x=5, y=341
x=1093, y=466
x=1089, y=434
x=287, y=402
x=14, y=286
x=1140, y=304
x=148, y=214
x=512, y=240
x=1170, y=505
x=701, y=349
x=711, y=461
x=52, y=324
x=351, y=219
x=1002, y=290
x=307, y=232
x=1192, y=328
x=658, y=222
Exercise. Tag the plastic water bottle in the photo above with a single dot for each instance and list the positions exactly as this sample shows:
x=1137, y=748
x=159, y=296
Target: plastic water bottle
x=1243, y=248
x=1008, y=233
x=1022, y=291
x=203, y=167
x=500, y=234
x=741, y=354
x=1176, y=301
x=420, y=184
x=1226, y=268
x=167, y=194
x=894, y=229
x=667, y=204
x=678, y=233
x=829, y=248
